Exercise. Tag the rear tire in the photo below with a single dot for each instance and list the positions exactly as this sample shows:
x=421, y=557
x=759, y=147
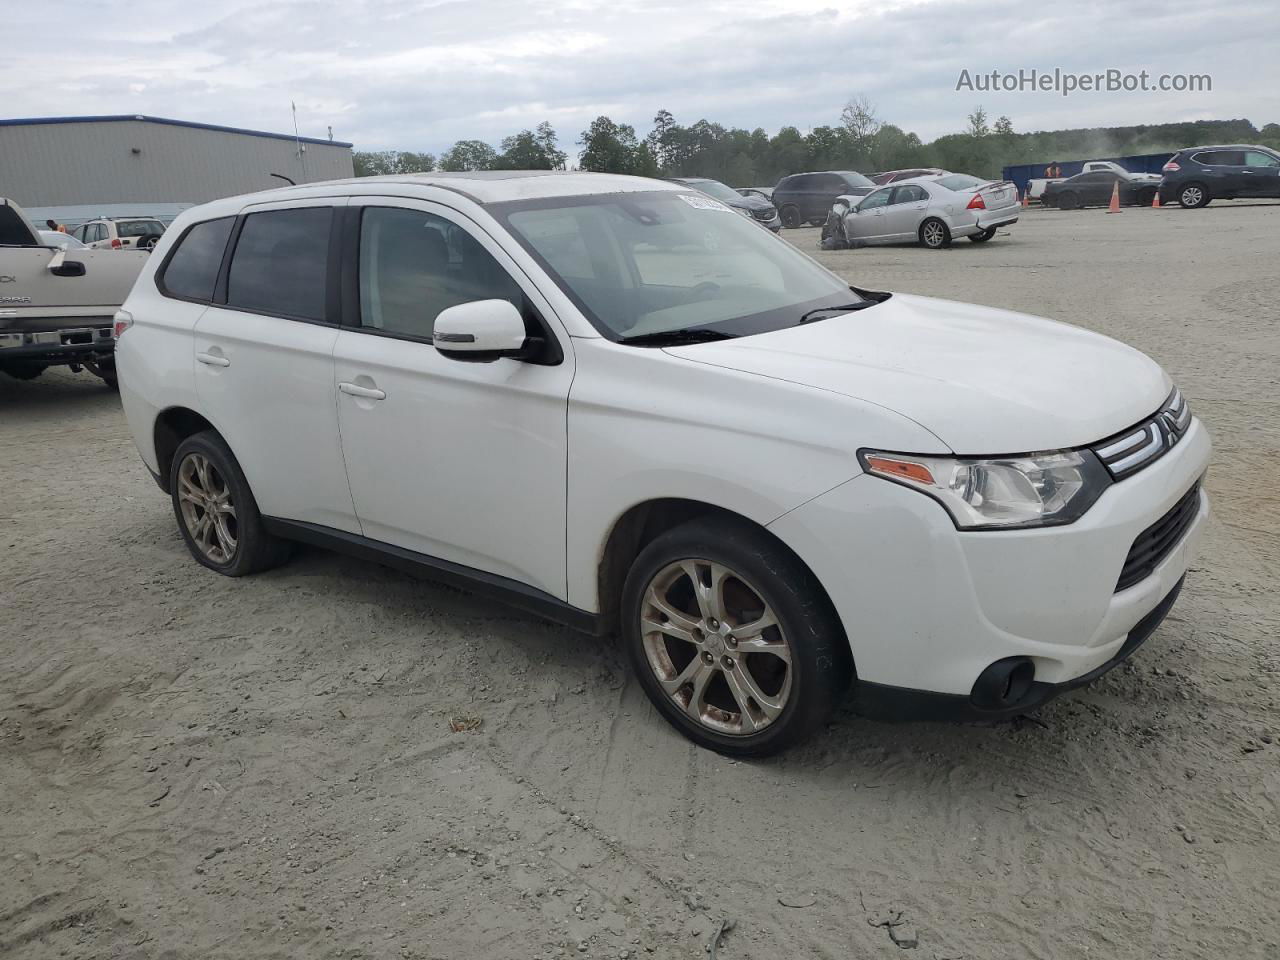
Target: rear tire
x=790, y=217
x=106, y=370
x=698, y=671
x=1193, y=195
x=216, y=512
x=984, y=236
x=934, y=234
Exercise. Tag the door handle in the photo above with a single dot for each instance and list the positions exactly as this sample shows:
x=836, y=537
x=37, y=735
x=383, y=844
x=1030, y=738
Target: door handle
x=213, y=359
x=367, y=393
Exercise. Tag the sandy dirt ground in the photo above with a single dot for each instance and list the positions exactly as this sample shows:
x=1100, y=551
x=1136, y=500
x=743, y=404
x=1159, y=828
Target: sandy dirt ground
x=192, y=766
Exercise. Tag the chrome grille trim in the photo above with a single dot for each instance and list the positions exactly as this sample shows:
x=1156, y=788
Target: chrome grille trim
x=1142, y=445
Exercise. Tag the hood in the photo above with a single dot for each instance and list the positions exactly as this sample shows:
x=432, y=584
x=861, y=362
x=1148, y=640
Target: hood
x=984, y=381
x=752, y=202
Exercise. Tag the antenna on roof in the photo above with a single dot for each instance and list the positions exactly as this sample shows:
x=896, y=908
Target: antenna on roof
x=302, y=151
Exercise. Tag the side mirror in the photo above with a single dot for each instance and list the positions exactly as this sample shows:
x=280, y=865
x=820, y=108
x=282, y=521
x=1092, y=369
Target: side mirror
x=482, y=331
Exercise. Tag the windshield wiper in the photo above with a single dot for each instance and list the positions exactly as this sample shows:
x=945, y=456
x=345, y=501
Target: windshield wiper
x=811, y=315
x=671, y=338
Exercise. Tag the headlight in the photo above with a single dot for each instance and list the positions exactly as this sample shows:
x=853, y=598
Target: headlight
x=1039, y=490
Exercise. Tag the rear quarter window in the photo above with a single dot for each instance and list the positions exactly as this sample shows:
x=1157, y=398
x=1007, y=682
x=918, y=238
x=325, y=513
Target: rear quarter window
x=192, y=270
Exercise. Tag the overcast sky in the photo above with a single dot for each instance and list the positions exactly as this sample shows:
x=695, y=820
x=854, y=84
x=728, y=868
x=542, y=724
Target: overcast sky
x=420, y=74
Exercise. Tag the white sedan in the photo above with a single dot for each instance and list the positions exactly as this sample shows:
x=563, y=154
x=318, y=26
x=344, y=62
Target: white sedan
x=931, y=211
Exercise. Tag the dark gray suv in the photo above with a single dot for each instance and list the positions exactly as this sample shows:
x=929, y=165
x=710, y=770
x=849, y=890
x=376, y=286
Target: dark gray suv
x=1196, y=175
x=807, y=197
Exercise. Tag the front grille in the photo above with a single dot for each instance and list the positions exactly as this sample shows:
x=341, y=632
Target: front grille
x=1143, y=445
x=765, y=213
x=1154, y=543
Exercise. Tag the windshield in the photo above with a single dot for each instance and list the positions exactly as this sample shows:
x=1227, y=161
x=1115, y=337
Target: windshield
x=714, y=188
x=138, y=228
x=648, y=263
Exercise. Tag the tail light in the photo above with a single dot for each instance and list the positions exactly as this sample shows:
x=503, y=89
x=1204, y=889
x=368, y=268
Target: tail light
x=977, y=203
x=1171, y=167
x=122, y=321
x=115, y=243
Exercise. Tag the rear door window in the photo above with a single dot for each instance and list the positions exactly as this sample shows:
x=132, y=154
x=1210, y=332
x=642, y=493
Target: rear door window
x=192, y=270
x=280, y=264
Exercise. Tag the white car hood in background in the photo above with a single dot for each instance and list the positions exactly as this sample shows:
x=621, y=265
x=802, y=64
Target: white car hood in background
x=985, y=381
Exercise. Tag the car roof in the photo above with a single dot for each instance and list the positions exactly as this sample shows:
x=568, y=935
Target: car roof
x=480, y=186
x=1228, y=146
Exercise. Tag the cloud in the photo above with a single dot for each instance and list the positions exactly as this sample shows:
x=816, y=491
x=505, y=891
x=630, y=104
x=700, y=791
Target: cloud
x=420, y=74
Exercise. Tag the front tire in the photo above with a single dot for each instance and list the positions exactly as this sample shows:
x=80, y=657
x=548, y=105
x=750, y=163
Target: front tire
x=216, y=512
x=1193, y=195
x=984, y=236
x=1069, y=201
x=790, y=216
x=934, y=234
x=733, y=639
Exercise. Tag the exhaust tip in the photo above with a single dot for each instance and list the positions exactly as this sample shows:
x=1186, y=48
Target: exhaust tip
x=1004, y=684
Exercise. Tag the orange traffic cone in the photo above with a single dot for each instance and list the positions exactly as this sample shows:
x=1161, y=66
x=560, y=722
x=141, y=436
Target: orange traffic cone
x=1026, y=197
x=1114, y=207
x=1155, y=201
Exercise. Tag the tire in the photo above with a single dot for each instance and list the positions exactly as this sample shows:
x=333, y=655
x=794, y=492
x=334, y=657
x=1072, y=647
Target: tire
x=760, y=576
x=1147, y=197
x=984, y=236
x=816, y=223
x=1069, y=201
x=253, y=549
x=24, y=371
x=933, y=234
x=790, y=216
x=1193, y=195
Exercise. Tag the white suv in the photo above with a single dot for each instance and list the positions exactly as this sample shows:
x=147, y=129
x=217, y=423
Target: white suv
x=616, y=403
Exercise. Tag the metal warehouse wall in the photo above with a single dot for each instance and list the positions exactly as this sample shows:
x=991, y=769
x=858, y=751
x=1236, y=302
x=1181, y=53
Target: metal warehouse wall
x=126, y=161
x=1021, y=173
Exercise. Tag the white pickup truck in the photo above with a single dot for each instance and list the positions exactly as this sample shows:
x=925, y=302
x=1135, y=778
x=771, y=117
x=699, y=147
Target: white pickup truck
x=1036, y=187
x=57, y=305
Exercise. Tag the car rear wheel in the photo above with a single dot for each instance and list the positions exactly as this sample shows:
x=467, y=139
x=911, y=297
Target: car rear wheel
x=790, y=216
x=216, y=511
x=106, y=370
x=934, y=234
x=984, y=236
x=1069, y=201
x=1193, y=195
x=732, y=638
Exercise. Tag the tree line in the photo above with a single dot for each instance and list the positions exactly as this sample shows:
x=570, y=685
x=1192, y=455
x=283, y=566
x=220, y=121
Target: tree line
x=860, y=140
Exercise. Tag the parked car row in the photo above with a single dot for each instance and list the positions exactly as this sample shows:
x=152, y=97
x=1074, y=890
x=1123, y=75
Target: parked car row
x=1194, y=177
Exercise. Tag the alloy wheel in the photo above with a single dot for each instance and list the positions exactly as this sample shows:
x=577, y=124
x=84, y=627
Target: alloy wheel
x=715, y=647
x=208, y=510
x=1192, y=196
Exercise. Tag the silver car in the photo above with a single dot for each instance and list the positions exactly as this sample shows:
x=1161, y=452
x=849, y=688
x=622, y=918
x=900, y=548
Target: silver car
x=931, y=211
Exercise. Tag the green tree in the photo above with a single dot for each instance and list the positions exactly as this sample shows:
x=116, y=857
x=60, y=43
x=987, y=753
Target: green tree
x=382, y=162
x=609, y=147
x=468, y=155
x=978, y=122
x=1003, y=127
x=530, y=150
x=660, y=139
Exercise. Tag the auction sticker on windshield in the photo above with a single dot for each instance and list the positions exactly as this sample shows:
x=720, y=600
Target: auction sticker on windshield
x=703, y=203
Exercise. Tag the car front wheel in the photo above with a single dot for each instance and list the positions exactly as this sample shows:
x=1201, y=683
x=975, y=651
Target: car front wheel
x=732, y=638
x=934, y=234
x=216, y=511
x=790, y=217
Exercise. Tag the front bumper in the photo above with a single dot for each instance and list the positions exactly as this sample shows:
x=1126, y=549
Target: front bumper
x=927, y=607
